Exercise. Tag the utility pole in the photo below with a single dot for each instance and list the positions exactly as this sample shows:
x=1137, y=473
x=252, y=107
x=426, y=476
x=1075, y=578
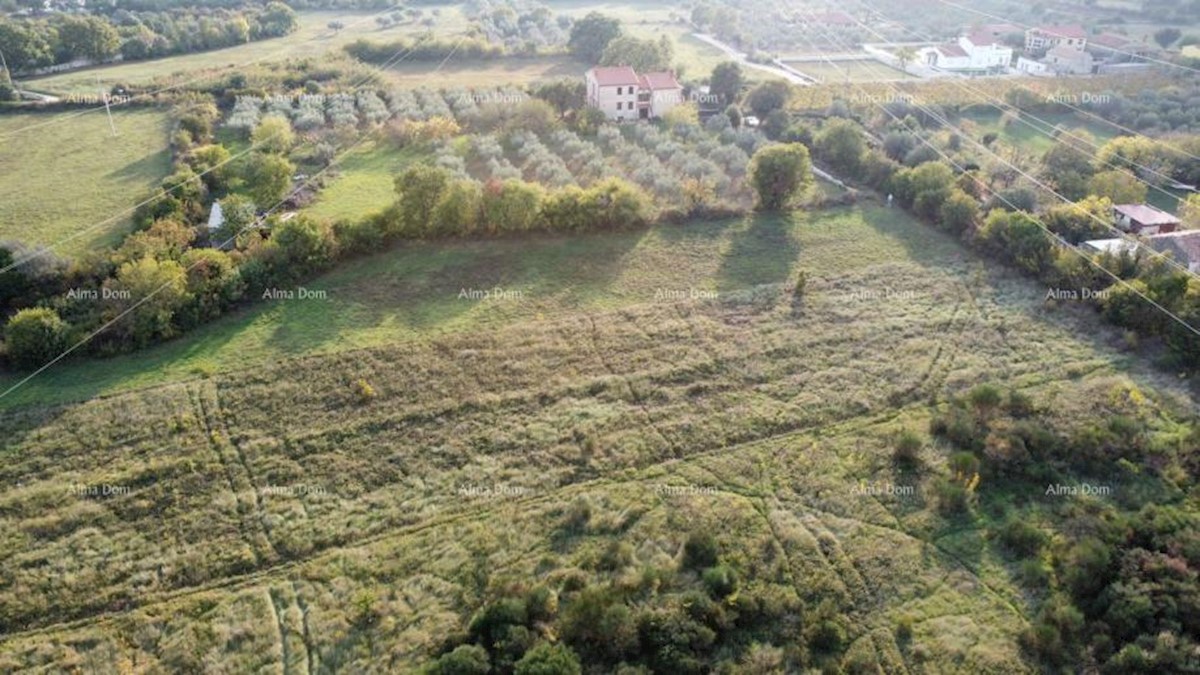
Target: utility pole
x=11, y=82
x=112, y=127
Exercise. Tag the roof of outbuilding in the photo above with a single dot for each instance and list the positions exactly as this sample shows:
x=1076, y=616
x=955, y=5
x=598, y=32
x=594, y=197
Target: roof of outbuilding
x=1146, y=214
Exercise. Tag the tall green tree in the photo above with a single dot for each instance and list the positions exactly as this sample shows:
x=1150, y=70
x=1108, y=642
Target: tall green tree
x=779, y=174
x=768, y=97
x=643, y=55
x=591, y=35
x=727, y=81
x=86, y=37
x=267, y=179
x=840, y=144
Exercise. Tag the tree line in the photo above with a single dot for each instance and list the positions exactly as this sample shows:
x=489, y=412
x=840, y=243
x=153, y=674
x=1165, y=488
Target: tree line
x=30, y=44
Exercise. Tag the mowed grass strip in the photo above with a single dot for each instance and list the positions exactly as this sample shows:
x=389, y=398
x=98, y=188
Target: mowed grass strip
x=421, y=290
x=68, y=176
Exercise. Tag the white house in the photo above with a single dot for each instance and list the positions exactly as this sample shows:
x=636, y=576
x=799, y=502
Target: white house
x=978, y=51
x=622, y=94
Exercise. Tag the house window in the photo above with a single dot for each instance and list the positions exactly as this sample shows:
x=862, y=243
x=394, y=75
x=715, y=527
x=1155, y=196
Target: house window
x=620, y=91
x=618, y=105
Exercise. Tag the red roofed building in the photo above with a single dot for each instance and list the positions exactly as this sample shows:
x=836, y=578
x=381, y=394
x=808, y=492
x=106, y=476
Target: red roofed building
x=622, y=94
x=1047, y=37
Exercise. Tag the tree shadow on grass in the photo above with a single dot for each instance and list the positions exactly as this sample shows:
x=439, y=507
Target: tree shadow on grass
x=762, y=250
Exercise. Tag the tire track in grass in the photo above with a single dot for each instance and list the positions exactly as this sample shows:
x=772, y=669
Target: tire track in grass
x=248, y=533
x=231, y=452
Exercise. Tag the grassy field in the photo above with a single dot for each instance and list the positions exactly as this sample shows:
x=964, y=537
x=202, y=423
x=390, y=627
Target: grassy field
x=313, y=38
x=67, y=177
x=1034, y=137
x=264, y=505
x=514, y=71
x=364, y=184
x=858, y=70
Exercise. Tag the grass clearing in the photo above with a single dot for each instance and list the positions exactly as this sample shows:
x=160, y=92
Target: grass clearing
x=509, y=70
x=1033, y=137
x=70, y=175
x=312, y=38
x=364, y=184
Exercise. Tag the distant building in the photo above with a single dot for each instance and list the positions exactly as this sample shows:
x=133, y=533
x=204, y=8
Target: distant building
x=1048, y=37
x=1144, y=219
x=1113, y=48
x=622, y=94
x=979, y=51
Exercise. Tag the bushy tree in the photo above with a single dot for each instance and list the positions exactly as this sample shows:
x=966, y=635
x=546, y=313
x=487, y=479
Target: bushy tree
x=1119, y=187
x=267, y=178
x=302, y=246
x=643, y=55
x=419, y=188
x=34, y=337
x=273, y=134
x=152, y=291
x=779, y=174
x=464, y=660
x=727, y=81
x=549, y=659
x=840, y=144
x=768, y=97
x=591, y=35
x=511, y=206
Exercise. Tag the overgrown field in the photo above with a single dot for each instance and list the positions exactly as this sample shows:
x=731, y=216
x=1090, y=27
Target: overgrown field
x=357, y=476
x=312, y=38
x=65, y=177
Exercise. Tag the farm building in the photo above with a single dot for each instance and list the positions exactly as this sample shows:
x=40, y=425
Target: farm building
x=1143, y=219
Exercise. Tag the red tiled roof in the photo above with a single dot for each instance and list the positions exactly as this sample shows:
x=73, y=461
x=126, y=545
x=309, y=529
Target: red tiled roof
x=657, y=81
x=614, y=76
x=1146, y=214
x=1062, y=31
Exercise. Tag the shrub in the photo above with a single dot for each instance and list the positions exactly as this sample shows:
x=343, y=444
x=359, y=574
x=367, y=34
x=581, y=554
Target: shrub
x=35, y=336
x=908, y=447
x=719, y=580
x=464, y=660
x=700, y=551
x=548, y=659
x=1021, y=538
